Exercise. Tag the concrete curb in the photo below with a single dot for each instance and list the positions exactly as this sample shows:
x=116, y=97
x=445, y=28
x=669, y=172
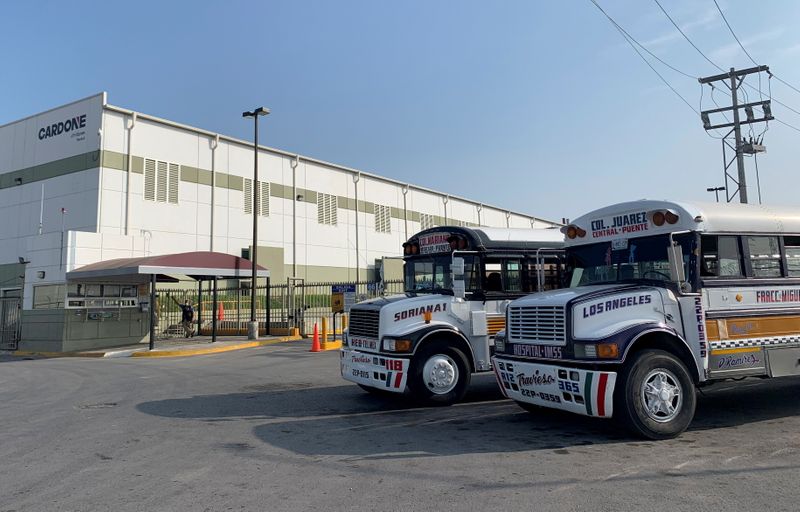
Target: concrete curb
x=143, y=352
x=49, y=355
x=211, y=350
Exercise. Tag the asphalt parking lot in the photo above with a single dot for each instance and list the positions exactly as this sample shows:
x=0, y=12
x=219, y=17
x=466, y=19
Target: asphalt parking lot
x=275, y=428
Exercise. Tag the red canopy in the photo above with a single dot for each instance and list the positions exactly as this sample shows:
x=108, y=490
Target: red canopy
x=199, y=265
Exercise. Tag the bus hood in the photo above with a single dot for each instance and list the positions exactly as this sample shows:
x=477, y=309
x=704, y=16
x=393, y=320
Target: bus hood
x=584, y=313
x=399, y=314
x=563, y=296
x=380, y=302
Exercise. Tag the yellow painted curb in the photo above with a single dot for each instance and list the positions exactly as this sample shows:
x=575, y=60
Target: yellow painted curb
x=212, y=350
x=331, y=345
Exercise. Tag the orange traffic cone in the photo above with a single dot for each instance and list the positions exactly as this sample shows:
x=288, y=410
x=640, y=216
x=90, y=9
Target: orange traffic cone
x=315, y=343
x=220, y=312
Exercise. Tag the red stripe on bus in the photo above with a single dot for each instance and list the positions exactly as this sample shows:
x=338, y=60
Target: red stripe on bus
x=500, y=382
x=397, y=379
x=601, y=394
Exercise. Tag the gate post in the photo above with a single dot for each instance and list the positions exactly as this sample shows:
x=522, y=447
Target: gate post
x=199, y=305
x=269, y=309
x=152, y=311
x=214, y=313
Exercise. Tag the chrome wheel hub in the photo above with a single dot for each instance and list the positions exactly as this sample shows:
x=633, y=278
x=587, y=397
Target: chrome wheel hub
x=661, y=395
x=440, y=374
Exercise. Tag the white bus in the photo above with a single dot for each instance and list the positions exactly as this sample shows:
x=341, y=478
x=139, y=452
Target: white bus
x=458, y=281
x=663, y=297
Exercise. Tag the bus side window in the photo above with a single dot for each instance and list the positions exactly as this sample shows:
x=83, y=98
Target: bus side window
x=792, y=246
x=551, y=269
x=765, y=256
x=720, y=256
x=513, y=276
x=472, y=273
x=493, y=281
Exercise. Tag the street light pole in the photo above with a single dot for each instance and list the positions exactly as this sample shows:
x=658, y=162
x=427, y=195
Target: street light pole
x=252, y=327
x=716, y=191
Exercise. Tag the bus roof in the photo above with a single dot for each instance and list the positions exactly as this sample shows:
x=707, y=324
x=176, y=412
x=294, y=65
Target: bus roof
x=635, y=219
x=503, y=238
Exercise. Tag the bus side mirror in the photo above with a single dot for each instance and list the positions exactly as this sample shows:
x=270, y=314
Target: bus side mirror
x=675, y=258
x=457, y=271
x=459, y=289
x=457, y=266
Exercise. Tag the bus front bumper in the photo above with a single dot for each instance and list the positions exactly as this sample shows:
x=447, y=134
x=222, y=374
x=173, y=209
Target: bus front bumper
x=586, y=392
x=374, y=370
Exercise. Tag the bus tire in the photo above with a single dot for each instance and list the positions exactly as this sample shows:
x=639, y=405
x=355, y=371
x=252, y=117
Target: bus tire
x=655, y=397
x=439, y=374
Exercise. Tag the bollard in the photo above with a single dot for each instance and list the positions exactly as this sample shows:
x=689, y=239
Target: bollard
x=324, y=329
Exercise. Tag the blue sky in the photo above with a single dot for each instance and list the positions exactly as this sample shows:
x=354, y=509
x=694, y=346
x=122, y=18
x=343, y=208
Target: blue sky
x=537, y=106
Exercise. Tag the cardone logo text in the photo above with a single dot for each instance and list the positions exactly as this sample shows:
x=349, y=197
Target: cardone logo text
x=73, y=123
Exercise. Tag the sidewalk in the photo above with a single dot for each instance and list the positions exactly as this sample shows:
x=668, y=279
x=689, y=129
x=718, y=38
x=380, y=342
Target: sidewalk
x=175, y=347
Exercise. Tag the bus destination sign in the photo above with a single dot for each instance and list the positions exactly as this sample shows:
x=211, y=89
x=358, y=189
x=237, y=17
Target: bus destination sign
x=434, y=242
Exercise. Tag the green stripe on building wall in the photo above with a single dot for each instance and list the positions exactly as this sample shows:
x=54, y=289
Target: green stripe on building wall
x=309, y=196
x=119, y=161
x=62, y=167
x=189, y=174
x=114, y=160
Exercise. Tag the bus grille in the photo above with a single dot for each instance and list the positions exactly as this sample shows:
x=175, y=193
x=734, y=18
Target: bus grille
x=537, y=324
x=364, y=322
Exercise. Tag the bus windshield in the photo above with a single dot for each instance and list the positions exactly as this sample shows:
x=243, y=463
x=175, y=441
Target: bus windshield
x=431, y=274
x=624, y=260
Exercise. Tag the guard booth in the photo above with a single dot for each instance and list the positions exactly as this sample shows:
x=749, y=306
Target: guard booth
x=111, y=302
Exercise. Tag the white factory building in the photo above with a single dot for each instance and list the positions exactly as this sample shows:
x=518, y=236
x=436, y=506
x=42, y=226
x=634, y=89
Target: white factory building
x=89, y=181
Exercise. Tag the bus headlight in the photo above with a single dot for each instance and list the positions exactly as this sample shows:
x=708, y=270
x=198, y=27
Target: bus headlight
x=396, y=345
x=597, y=351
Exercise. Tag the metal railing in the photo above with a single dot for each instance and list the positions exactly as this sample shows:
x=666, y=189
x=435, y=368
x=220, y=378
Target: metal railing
x=278, y=306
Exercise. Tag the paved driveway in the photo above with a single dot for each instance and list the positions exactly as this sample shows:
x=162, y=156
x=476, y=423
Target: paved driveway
x=275, y=428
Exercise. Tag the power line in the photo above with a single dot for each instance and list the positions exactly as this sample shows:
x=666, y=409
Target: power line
x=776, y=101
x=787, y=124
x=784, y=82
x=719, y=68
x=627, y=35
x=629, y=41
x=734, y=34
x=713, y=89
x=701, y=109
x=687, y=37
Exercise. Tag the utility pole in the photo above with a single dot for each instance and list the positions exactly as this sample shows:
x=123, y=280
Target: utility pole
x=733, y=80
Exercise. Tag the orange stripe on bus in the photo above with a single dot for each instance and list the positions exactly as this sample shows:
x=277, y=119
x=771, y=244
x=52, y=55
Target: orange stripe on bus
x=752, y=327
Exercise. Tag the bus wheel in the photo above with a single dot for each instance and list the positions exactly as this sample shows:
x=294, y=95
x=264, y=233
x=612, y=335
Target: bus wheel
x=656, y=397
x=439, y=374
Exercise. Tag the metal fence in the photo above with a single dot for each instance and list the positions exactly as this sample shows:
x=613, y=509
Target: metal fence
x=10, y=325
x=279, y=306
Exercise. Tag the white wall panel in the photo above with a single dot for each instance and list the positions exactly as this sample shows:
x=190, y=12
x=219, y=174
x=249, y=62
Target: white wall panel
x=26, y=143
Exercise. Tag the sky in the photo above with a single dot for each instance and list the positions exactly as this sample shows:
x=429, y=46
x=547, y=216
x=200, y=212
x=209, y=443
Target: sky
x=536, y=106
